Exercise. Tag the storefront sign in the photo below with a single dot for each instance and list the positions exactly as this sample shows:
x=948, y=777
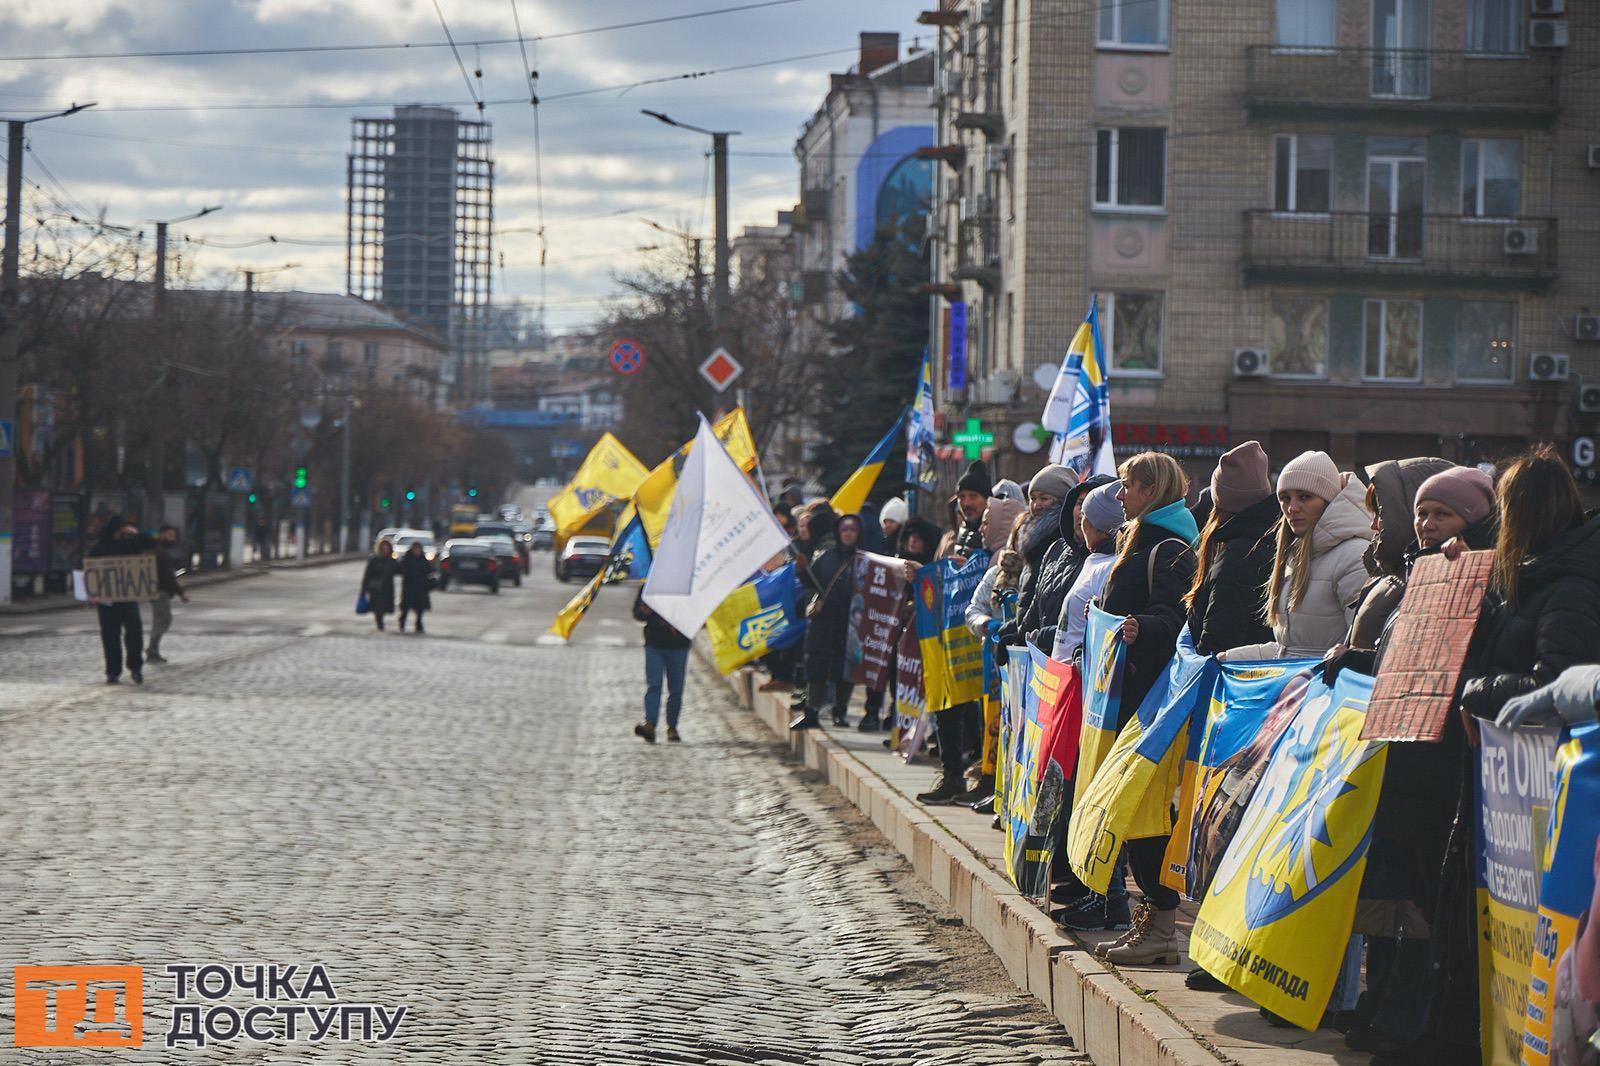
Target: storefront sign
x=1181, y=441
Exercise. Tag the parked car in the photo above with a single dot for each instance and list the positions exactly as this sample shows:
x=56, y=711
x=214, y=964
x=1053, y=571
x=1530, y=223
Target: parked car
x=582, y=557
x=402, y=539
x=509, y=532
x=468, y=561
x=507, y=554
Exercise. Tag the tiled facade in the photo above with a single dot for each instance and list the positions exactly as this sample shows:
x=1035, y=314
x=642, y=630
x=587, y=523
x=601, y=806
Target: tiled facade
x=1388, y=330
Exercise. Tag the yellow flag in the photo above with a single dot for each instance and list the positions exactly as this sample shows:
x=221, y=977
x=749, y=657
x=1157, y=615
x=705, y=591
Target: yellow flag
x=653, y=496
x=568, y=618
x=609, y=472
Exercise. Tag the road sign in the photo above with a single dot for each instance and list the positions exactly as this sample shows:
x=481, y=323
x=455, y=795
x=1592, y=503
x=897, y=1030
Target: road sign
x=299, y=442
x=7, y=434
x=974, y=439
x=721, y=369
x=627, y=356
x=300, y=498
x=241, y=479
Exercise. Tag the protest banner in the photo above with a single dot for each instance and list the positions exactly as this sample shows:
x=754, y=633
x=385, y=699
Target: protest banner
x=118, y=579
x=1425, y=649
x=1249, y=707
x=1276, y=918
x=1026, y=686
x=952, y=657
x=908, y=696
x=1145, y=762
x=1564, y=984
x=1516, y=779
x=878, y=587
x=757, y=617
x=1103, y=658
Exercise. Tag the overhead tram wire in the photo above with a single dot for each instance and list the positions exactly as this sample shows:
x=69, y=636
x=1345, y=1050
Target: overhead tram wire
x=477, y=97
x=538, y=161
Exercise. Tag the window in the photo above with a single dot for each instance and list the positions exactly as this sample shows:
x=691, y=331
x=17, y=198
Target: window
x=1133, y=23
x=369, y=351
x=1494, y=27
x=1486, y=341
x=1297, y=337
x=1130, y=167
x=1491, y=178
x=1306, y=24
x=1302, y=173
x=1134, y=341
x=1393, y=348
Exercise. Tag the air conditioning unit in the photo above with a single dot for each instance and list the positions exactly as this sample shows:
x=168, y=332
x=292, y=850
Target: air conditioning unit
x=1547, y=7
x=1000, y=387
x=1587, y=327
x=1547, y=33
x=974, y=208
x=1548, y=366
x=988, y=11
x=1589, y=399
x=1250, y=363
x=994, y=158
x=1520, y=240
x=949, y=82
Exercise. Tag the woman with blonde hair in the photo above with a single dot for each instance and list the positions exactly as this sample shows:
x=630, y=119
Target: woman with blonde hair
x=1153, y=570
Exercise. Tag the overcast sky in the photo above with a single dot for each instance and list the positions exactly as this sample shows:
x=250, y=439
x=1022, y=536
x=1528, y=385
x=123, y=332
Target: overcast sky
x=282, y=172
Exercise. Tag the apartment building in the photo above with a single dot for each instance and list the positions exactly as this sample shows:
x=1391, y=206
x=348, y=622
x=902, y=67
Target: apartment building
x=1367, y=226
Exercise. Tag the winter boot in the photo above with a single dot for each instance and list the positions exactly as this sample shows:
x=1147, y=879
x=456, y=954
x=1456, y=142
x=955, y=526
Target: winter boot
x=946, y=790
x=868, y=724
x=1154, y=943
x=981, y=790
x=1141, y=915
x=1095, y=914
x=805, y=718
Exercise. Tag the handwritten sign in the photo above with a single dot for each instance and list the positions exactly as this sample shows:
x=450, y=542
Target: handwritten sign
x=1426, y=649
x=118, y=579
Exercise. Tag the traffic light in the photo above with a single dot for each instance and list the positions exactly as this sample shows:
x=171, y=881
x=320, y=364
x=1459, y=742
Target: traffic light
x=299, y=477
x=251, y=498
x=384, y=503
x=410, y=495
x=472, y=492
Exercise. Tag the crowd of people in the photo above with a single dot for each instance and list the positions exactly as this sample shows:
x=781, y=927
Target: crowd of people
x=1310, y=563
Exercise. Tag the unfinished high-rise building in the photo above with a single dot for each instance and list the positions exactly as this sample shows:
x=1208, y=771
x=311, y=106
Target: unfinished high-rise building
x=419, y=221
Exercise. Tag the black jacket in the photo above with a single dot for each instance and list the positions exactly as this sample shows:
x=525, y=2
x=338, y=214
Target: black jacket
x=377, y=581
x=831, y=575
x=1554, y=624
x=1039, y=607
x=416, y=576
x=167, y=571
x=108, y=545
x=1158, y=605
x=658, y=632
x=1229, y=611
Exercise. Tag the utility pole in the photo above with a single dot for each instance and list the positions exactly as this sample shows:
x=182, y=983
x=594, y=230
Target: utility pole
x=10, y=332
x=344, y=471
x=719, y=164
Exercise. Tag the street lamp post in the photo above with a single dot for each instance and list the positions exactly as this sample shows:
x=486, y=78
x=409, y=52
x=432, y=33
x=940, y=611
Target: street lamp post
x=10, y=330
x=719, y=166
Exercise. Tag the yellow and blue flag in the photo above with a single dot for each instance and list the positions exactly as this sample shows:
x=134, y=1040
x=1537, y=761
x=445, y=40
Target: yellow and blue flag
x=756, y=618
x=1078, y=411
x=1104, y=656
x=952, y=657
x=608, y=473
x=1130, y=796
x=858, y=486
x=1276, y=917
x=653, y=496
x=922, y=467
x=630, y=550
x=568, y=617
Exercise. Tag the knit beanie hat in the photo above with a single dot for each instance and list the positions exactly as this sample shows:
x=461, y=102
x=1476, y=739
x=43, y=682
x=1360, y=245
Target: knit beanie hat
x=1102, y=509
x=1007, y=489
x=1000, y=516
x=1312, y=472
x=1054, y=480
x=894, y=511
x=1240, y=480
x=1466, y=490
x=976, y=479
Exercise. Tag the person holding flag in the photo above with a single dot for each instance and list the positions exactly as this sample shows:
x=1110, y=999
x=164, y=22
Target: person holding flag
x=666, y=659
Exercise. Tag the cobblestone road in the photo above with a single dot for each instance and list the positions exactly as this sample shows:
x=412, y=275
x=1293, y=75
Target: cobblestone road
x=464, y=825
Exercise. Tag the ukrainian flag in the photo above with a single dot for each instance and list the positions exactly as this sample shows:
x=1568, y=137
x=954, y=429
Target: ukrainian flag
x=756, y=618
x=1103, y=658
x=854, y=492
x=609, y=472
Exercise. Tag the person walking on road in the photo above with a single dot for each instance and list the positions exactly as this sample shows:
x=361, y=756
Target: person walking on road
x=120, y=624
x=167, y=583
x=377, y=581
x=416, y=578
x=666, y=658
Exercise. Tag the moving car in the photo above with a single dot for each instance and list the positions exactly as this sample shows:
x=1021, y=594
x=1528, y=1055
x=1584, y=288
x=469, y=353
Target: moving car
x=507, y=554
x=582, y=557
x=543, y=536
x=402, y=539
x=508, y=531
x=468, y=561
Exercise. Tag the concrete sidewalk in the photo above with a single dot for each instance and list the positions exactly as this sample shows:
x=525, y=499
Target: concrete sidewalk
x=1120, y=1017
x=57, y=601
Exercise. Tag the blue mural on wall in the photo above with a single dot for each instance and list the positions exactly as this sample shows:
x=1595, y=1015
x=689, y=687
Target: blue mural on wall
x=890, y=182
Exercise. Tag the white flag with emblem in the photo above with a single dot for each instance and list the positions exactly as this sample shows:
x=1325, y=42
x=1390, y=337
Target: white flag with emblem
x=719, y=531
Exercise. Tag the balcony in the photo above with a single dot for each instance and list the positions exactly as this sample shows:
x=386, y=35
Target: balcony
x=978, y=248
x=1406, y=250
x=813, y=208
x=1422, y=87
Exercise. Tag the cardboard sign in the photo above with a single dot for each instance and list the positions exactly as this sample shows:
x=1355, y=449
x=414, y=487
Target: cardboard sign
x=117, y=579
x=1425, y=652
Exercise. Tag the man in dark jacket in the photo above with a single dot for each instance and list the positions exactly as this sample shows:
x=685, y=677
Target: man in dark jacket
x=666, y=655
x=120, y=625
x=167, y=583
